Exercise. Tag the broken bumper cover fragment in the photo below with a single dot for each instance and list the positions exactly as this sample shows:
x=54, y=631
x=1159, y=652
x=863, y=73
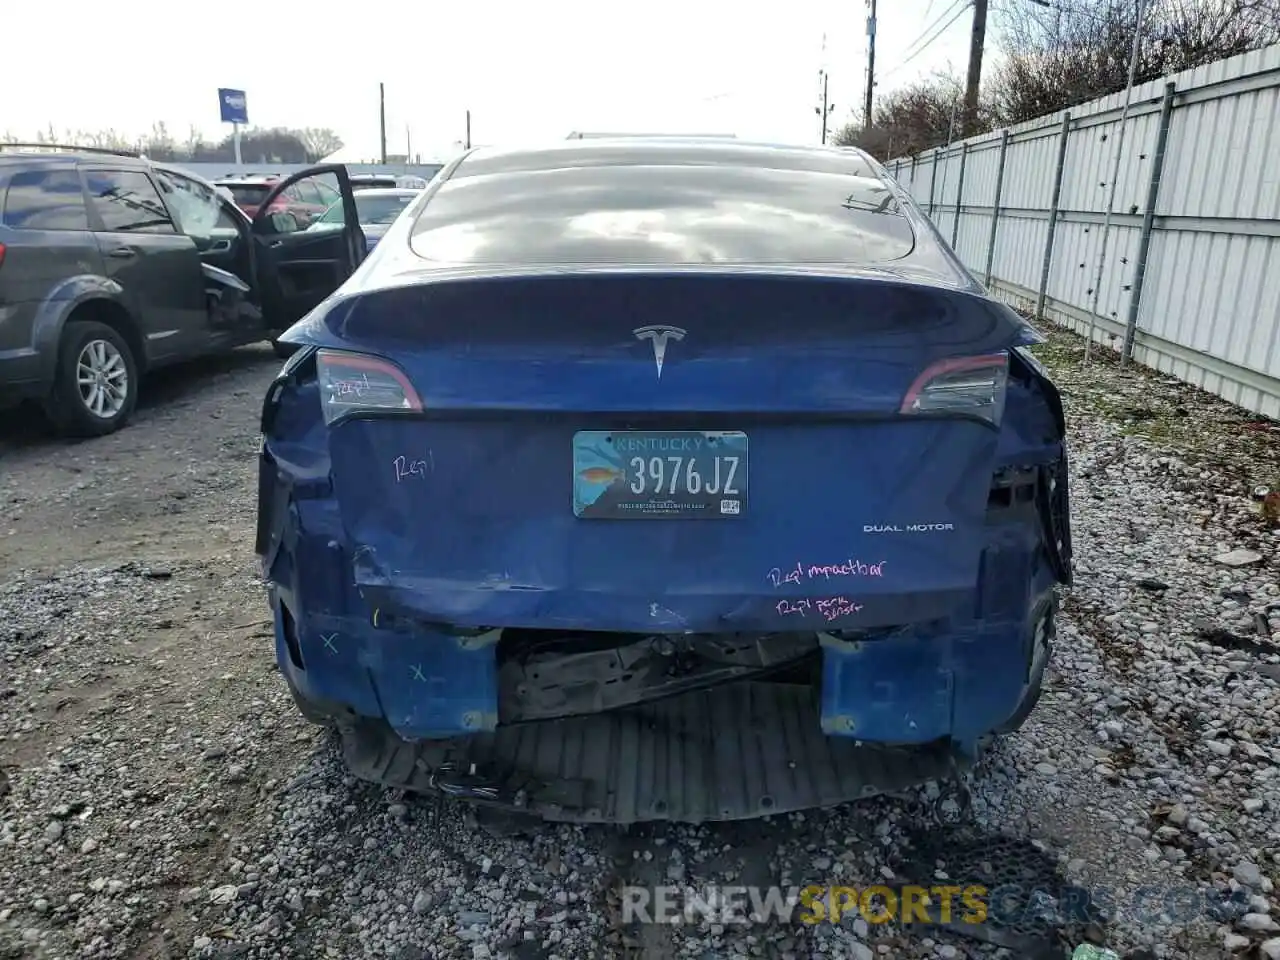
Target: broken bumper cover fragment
x=956, y=681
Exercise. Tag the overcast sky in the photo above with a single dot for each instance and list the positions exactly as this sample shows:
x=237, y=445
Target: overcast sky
x=527, y=71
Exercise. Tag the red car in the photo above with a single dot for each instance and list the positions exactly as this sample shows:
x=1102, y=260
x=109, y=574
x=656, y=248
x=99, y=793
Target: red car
x=306, y=199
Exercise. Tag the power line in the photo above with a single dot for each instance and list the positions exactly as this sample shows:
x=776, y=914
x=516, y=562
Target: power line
x=911, y=47
x=965, y=4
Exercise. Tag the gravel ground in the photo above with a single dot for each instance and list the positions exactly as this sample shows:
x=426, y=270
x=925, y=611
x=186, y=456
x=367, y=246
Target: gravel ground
x=159, y=796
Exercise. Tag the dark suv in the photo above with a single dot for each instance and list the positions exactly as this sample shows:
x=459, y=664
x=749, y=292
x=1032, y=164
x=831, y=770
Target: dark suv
x=111, y=266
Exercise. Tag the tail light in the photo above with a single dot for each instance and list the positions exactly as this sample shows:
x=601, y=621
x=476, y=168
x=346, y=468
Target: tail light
x=357, y=383
x=972, y=386
x=1, y=254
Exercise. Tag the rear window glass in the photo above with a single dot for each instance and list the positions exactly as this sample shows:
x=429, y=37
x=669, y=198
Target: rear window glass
x=372, y=209
x=248, y=193
x=663, y=214
x=45, y=200
x=381, y=208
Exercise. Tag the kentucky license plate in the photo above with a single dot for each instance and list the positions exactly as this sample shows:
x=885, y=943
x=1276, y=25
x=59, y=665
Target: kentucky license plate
x=636, y=474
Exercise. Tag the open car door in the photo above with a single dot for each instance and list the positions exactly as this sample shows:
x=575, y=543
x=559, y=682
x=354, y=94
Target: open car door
x=299, y=266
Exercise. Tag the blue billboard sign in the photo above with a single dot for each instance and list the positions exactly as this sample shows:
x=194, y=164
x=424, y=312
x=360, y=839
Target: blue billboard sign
x=233, y=106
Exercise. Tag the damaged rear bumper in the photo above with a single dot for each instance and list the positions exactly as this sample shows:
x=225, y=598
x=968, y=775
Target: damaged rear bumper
x=424, y=709
x=395, y=546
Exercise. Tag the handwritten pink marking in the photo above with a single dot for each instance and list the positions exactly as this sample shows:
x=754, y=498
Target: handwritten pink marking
x=850, y=568
x=829, y=608
x=837, y=607
x=802, y=607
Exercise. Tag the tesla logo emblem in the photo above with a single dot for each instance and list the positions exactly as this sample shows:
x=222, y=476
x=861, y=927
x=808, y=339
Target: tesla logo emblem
x=661, y=335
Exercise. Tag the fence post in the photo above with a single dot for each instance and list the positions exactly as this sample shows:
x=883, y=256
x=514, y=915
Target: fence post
x=933, y=179
x=955, y=221
x=1053, y=214
x=1148, y=223
x=942, y=185
x=995, y=209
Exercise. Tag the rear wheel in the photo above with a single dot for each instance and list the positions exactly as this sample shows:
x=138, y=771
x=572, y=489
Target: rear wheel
x=95, y=386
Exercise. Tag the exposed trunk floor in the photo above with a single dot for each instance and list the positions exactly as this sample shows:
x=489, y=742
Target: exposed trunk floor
x=736, y=751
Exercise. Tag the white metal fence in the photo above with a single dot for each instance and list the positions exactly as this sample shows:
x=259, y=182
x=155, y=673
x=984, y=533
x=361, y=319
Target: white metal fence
x=1193, y=253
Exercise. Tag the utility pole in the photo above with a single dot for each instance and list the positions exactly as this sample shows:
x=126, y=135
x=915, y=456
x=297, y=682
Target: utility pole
x=825, y=109
x=871, y=64
x=382, y=120
x=976, y=41
x=467, y=142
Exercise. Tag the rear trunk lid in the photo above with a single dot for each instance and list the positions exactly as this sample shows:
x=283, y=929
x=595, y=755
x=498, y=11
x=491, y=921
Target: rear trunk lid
x=795, y=492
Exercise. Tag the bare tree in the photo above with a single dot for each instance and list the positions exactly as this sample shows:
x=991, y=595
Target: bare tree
x=914, y=118
x=159, y=145
x=320, y=142
x=1067, y=52
x=258, y=145
x=195, y=140
x=1078, y=50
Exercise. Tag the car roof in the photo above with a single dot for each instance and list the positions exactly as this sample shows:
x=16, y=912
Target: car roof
x=588, y=135
x=250, y=179
x=62, y=156
x=389, y=192
x=182, y=171
x=661, y=204
x=179, y=168
x=659, y=150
